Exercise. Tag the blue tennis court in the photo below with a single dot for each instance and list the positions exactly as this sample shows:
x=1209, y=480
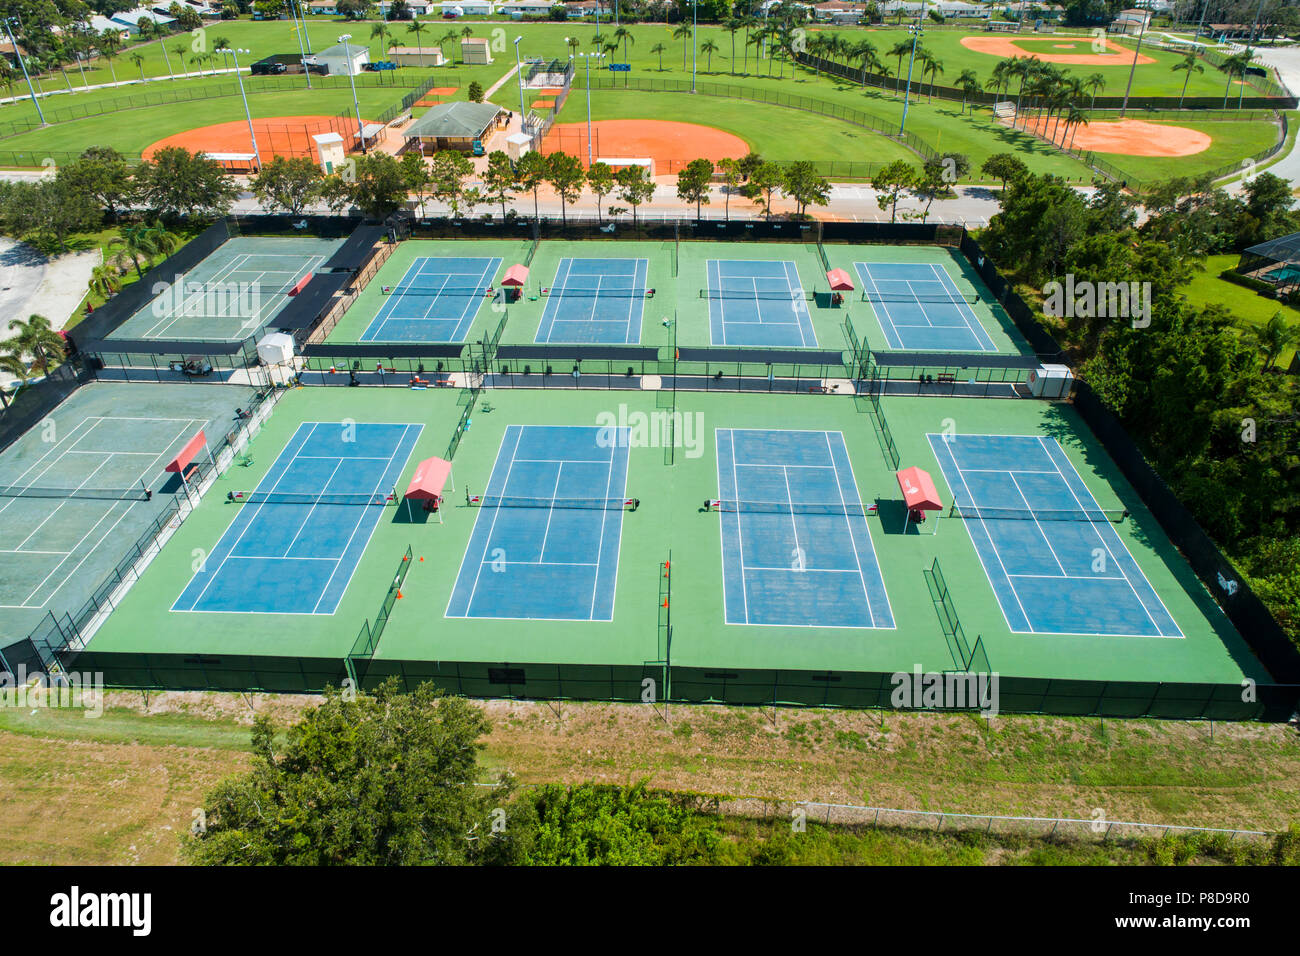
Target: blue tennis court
x=757, y=303
x=920, y=308
x=300, y=534
x=595, y=301
x=435, y=301
x=1054, y=559
x=796, y=551
x=546, y=540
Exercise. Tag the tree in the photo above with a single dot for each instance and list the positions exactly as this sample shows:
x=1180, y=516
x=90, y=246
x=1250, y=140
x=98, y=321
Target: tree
x=600, y=180
x=105, y=280
x=708, y=48
x=635, y=187
x=731, y=177
x=353, y=9
x=932, y=66
x=102, y=172
x=1094, y=84
x=566, y=176
x=693, y=183
x=177, y=182
x=38, y=339
x=382, y=779
x=890, y=184
x=805, y=186
x=899, y=50
x=1189, y=64
x=110, y=44
x=1273, y=338
x=1003, y=166
x=499, y=179
x=417, y=28
x=416, y=175
x=1236, y=65
x=142, y=241
x=867, y=57
x=49, y=211
x=383, y=31
x=137, y=58
x=683, y=33
x=475, y=92
x=447, y=174
x=763, y=182
x=733, y=25
x=379, y=187
x=659, y=49
x=288, y=184
x=969, y=85
x=531, y=173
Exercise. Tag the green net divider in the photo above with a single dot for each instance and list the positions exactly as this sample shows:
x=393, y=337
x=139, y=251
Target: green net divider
x=469, y=398
x=821, y=251
x=665, y=624
x=966, y=658
x=537, y=240
x=367, y=642
x=883, y=434
x=677, y=246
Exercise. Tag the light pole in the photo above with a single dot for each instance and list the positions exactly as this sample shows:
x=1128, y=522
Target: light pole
x=1146, y=16
x=257, y=155
x=23, y=64
x=916, y=30
x=519, y=72
x=588, y=57
x=300, y=30
x=347, y=52
x=695, y=26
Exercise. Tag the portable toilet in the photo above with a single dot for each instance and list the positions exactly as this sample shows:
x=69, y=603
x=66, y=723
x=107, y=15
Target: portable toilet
x=1050, y=381
x=330, y=152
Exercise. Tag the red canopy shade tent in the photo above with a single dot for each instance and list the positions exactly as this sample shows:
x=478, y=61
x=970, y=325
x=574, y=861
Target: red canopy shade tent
x=516, y=275
x=919, y=493
x=186, y=455
x=431, y=475
x=839, y=280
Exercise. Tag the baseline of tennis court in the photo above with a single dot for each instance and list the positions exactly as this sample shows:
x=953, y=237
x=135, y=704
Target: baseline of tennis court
x=46, y=541
x=1059, y=566
x=936, y=319
x=596, y=301
x=435, y=301
x=756, y=302
x=230, y=295
x=796, y=550
x=556, y=559
x=294, y=545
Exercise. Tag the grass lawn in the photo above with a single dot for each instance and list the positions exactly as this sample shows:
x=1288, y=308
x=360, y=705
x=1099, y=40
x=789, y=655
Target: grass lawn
x=1248, y=306
x=131, y=132
x=120, y=789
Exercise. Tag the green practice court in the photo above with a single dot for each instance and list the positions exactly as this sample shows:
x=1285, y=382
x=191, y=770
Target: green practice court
x=673, y=517
x=691, y=294
x=233, y=293
x=78, y=490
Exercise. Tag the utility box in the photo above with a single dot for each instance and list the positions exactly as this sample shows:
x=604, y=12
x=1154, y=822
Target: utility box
x=1051, y=381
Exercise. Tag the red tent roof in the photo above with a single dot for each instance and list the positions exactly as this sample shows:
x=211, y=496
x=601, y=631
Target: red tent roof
x=516, y=275
x=192, y=448
x=918, y=490
x=839, y=280
x=429, y=478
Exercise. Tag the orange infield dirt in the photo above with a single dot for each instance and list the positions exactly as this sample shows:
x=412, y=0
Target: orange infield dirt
x=543, y=104
x=1009, y=46
x=276, y=136
x=1131, y=138
x=443, y=91
x=671, y=145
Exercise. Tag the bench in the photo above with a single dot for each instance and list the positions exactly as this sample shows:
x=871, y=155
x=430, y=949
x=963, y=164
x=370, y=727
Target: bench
x=946, y=378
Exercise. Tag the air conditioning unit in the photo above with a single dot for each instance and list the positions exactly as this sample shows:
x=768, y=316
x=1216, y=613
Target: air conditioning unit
x=1050, y=381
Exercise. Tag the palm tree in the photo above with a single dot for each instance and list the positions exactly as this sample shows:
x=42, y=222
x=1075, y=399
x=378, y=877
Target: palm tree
x=137, y=58
x=1074, y=119
x=38, y=339
x=417, y=28
x=754, y=39
x=969, y=84
x=180, y=50
x=382, y=31
x=681, y=33
x=13, y=363
x=1095, y=83
x=572, y=43
x=166, y=58
x=998, y=80
x=1234, y=65
x=749, y=21
x=660, y=50
x=1273, y=338
x=817, y=48
x=1190, y=63
x=466, y=32
x=110, y=41
x=732, y=25
x=932, y=66
x=864, y=52
x=449, y=35
x=143, y=241
x=223, y=43
x=708, y=48
x=624, y=36
x=899, y=50
x=105, y=280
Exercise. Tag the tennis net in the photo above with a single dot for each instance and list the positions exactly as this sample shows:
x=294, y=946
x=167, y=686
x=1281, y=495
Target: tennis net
x=102, y=494
x=306, y=498
x=789, y=295
x=607, y=293
x=1114, y=516
x=525, y=501
x=417, y=289
x=789, y=507
x=969, y=298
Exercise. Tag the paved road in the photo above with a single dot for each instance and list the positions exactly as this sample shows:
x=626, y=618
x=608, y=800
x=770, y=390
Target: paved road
x=1287, y=62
